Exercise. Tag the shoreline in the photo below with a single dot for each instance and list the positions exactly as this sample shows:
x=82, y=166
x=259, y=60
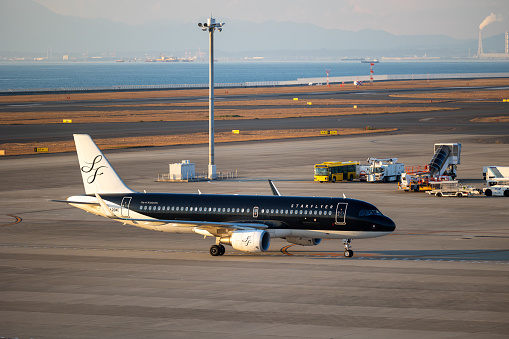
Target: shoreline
x=183, y=92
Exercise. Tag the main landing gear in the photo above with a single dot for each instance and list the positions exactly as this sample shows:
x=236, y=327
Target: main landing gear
x=216, y=250
x=348, y=252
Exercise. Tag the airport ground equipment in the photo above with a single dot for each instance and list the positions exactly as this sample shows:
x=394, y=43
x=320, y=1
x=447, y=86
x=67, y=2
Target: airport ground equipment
x=494, y=172
x=445, y=159
x=363, y=172
x=442, y=167
x=497, y=187
x=451, y=188
x=384, y=170
x=336, y=171
x=419, y=180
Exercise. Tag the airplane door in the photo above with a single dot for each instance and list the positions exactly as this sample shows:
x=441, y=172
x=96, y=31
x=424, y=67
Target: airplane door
x=341, y=213
x=124, y=207
x=255, y=212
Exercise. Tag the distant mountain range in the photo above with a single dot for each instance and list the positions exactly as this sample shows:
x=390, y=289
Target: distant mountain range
x=30, y=28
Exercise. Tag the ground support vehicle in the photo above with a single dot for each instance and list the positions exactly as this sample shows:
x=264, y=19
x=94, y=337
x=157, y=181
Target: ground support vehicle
x=497, y=187
x=451, y=189
x=419, y=181
x=414, y=178
x=337, y=171
x=445, y=159
x=363, y=172
x=442, y=167
x=384, y=170
x=493, y=172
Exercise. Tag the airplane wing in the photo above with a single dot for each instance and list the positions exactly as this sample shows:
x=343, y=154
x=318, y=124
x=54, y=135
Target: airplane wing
x=194, y=223
x=206, y=228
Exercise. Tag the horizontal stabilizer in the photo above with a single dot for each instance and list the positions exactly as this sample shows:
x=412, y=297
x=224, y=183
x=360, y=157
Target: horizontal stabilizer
x=76, y=202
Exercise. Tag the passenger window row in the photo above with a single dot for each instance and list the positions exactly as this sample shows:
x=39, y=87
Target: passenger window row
x=232, y=210
x=295, y=212
x=194, y=209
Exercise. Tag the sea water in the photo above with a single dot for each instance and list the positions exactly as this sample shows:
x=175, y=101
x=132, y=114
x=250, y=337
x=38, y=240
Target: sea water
x=56, y=75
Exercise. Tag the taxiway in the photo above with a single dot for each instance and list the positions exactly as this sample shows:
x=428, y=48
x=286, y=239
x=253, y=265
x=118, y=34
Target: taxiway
x=443, y=273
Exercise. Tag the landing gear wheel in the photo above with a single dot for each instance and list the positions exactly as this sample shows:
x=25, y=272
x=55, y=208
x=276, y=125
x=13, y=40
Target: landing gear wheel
x=348, y=253
x=215, y=250
x=222, y=250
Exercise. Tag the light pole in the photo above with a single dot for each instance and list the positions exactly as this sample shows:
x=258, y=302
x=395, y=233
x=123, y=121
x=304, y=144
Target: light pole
x=211, y=26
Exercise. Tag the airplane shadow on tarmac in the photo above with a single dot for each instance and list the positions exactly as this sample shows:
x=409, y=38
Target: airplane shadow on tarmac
x=492, y=255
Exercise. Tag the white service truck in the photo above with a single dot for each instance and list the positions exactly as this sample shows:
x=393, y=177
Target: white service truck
x=384, y=170
x=498, y=187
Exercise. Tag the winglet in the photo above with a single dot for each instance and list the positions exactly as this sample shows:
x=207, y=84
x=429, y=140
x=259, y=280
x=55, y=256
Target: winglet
x=274, y=189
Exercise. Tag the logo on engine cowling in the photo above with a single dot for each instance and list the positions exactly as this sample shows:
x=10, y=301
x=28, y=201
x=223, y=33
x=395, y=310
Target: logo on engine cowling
x=247, y=240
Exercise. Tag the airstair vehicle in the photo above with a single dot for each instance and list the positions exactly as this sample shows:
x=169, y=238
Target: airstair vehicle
x=444, y=162
x=442, y=167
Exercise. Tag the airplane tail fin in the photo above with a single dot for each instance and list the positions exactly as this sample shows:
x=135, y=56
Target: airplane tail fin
x=97, y=173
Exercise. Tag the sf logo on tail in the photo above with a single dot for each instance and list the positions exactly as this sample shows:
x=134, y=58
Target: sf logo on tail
x=93, y=169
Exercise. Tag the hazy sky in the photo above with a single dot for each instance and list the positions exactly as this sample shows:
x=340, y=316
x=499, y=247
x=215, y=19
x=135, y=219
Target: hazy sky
x=455, y=18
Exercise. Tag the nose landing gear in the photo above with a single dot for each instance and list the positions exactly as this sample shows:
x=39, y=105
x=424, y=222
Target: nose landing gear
x=348, y=252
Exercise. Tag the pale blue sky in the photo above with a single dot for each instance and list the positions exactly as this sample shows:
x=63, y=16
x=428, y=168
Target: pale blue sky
x=455, y=18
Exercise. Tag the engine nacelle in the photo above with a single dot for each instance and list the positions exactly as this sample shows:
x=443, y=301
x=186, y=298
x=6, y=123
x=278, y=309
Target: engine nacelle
x=304, y=241
x=249, y=241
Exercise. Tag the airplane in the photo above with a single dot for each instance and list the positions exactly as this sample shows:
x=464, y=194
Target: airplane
x=245, y=222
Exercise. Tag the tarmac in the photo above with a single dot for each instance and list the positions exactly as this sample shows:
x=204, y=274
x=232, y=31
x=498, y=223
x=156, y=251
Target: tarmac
x=442, y=274
x=455, y=120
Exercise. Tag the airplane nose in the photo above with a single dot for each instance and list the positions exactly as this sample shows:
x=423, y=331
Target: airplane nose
x=388, y=225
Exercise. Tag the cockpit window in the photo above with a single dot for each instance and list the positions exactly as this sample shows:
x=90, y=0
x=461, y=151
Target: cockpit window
x=365, y=213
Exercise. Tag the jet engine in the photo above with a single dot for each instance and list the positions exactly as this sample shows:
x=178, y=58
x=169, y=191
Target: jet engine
x=303, y=241
x=249, y=241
